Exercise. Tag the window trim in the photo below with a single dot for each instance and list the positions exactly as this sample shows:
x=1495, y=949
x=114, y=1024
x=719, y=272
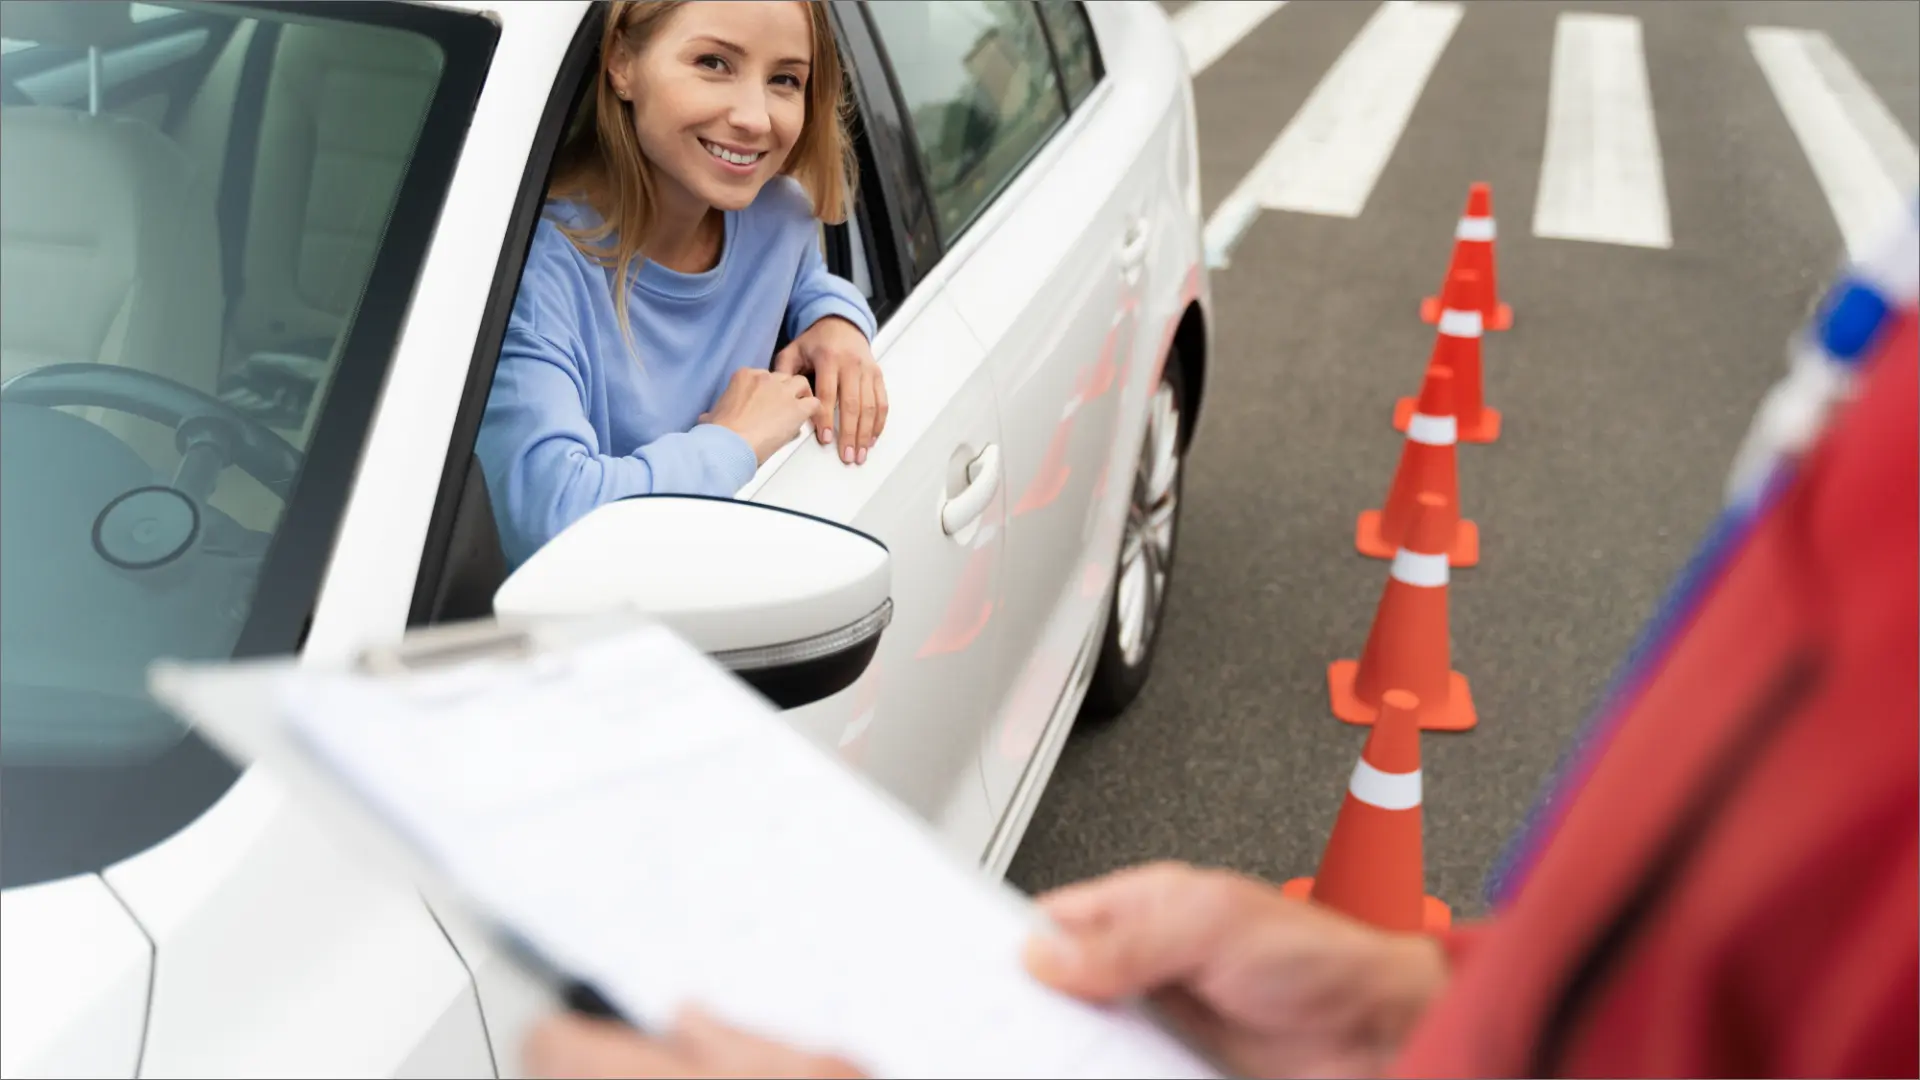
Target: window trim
x=1020, y=168
x=886, y=265
x=576, y=67
x=914, y=239
x=875, y=212
x=1099, y=58
x=296, y=562
x=1053, y=56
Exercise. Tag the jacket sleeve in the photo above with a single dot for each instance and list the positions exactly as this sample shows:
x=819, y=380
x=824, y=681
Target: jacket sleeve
x=543, y=463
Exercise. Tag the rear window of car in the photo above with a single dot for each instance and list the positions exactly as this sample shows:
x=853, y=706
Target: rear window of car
x=978, y=82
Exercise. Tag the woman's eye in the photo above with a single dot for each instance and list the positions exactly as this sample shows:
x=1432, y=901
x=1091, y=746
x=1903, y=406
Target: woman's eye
x=789, y=81
x=712, y=62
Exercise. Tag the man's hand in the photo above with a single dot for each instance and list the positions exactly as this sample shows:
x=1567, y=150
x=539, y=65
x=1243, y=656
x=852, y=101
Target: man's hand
x=845, y=376
x=1270, y=986
x=698, y=1046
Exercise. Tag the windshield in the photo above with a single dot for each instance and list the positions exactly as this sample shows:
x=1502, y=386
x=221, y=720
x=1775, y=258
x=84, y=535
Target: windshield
x=211, y=217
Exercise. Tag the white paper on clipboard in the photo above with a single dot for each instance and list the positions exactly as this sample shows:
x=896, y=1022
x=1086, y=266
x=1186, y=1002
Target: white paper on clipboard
x=651, y=826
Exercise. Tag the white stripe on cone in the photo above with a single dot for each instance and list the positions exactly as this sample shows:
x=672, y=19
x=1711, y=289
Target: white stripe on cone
x=1386, y=790
x=1474, y=228
x=1418, y=570
x=1460, y=323
x=1433, y=430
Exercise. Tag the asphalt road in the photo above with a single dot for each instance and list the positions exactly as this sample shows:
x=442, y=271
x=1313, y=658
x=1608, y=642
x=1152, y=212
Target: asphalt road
x=1626, y=383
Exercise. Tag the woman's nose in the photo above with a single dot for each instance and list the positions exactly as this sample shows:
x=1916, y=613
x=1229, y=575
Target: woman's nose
x=749, y=114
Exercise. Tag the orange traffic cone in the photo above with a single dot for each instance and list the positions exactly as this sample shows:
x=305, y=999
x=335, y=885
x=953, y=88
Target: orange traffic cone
x=1408, y=647
x=1473, y=243
x=1427, y=463
x=1457, y=346
x=1372, y=868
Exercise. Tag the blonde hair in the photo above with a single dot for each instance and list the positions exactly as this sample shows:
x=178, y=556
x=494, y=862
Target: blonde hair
x=601, y=163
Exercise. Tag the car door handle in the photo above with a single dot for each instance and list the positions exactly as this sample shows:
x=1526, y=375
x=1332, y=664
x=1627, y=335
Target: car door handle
x=983, y=477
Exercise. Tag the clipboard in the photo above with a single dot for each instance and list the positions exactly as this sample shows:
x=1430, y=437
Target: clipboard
x=792, y=896
x=233, y=706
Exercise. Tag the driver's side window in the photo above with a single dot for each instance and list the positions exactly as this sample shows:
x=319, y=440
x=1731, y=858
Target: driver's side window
x=464, y=561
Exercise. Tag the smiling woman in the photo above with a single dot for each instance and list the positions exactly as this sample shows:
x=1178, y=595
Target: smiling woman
x=679, y=244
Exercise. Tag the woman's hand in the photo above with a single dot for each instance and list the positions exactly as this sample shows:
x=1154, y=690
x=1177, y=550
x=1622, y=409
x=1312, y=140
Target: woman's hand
x=764, y=407
x=845, y=376
x=698, y=1046
x=1270, y=986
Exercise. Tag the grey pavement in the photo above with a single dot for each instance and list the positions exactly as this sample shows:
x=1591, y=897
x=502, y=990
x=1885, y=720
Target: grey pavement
x=1626, y=382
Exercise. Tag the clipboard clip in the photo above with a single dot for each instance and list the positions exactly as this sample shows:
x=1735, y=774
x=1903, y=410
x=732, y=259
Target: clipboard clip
x=445, y=646
x=449, y=645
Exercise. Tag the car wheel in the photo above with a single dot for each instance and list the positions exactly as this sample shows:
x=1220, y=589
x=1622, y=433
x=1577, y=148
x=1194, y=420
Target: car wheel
x=1147, y=545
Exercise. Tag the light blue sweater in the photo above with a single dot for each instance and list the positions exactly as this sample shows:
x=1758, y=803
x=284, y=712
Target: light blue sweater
x=576, y=420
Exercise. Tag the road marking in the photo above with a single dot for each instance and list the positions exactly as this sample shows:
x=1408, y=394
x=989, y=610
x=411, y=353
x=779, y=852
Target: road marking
x=1209, y=28
x=1865, y=163
x=1600, y=177
x=1330, y=154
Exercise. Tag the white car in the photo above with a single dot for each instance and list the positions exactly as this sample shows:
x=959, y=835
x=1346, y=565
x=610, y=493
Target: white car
x=257, y=265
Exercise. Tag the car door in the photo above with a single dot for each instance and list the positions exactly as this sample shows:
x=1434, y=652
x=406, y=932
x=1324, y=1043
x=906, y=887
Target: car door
x=931, y=490
x=934, y=490
x=1028, y=156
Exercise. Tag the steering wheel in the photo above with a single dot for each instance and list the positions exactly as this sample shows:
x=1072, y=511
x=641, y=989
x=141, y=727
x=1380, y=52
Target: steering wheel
x=209, y=433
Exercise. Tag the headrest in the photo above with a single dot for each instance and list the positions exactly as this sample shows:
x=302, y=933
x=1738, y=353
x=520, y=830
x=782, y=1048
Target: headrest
x=104, y=23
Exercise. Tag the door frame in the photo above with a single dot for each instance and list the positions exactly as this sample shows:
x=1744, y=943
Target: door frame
x=891, y=203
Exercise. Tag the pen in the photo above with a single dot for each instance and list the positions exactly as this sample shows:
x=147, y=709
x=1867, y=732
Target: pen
x=578, y=995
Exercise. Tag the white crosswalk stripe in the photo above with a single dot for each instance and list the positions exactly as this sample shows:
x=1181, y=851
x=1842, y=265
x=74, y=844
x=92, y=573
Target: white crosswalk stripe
x=1600, y=176
x=1329, y=156
x=1209, y=28
x=1603, y=178
x=1866, y=165
x=1327, y=160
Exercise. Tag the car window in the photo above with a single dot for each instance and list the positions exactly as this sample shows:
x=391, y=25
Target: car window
x=190, y=351
x=1073, y=43
x=978, y=82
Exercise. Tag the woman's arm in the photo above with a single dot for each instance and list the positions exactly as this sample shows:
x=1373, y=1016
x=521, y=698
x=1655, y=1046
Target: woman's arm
x=832, y=330
x=542, y=458
x=819, y=292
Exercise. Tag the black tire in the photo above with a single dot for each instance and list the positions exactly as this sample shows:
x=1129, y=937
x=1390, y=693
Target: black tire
x=1117, y=677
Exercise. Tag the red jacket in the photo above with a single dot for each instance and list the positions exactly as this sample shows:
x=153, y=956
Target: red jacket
x=1733, y=891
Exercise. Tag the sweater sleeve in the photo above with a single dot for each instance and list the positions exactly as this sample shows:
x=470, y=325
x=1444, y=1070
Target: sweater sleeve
x=818, y=292
x=542, y=459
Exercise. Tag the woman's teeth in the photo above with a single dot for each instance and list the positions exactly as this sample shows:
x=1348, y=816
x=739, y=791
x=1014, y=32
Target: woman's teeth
x=729, y=156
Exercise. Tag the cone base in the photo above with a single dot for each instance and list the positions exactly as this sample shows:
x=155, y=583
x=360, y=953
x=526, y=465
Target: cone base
x=1367, y=541
x=1434, y=913
x=1484, y=430
x=1501, y=319
x=1457, y=715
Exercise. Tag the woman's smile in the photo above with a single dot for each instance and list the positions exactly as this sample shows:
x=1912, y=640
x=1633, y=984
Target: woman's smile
x=733, y=159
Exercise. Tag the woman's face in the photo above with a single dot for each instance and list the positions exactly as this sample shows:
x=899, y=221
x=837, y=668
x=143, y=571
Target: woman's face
x=719, y=96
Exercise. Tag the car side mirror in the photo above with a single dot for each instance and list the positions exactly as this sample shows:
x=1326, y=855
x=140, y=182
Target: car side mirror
x=792, y=604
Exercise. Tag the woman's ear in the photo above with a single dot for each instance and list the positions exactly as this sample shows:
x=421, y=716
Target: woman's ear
x=620, y=71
